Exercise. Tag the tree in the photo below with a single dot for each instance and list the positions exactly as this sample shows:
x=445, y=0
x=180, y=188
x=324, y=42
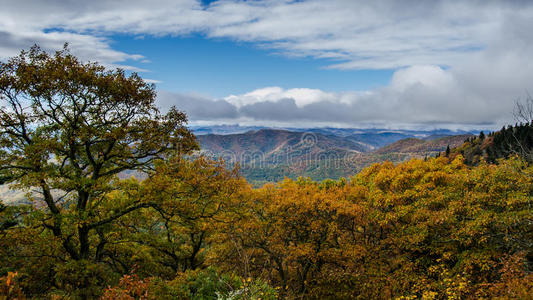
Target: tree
x=291, y=233
x=523, y=140
x=6, y=218
x=68, y=128
x=192, y=199
x=523, y=110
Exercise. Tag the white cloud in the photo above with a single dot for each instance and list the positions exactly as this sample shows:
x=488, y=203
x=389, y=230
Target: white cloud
x=455, y=61
x=359, y=34
x=420, y=95
x=301, y=96
x=148, y=80
x=426, y=75
x=87, y=47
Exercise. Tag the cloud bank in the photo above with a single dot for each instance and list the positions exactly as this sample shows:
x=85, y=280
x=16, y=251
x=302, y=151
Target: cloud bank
x=357, y=33
x=456, y=62
x=422, y=96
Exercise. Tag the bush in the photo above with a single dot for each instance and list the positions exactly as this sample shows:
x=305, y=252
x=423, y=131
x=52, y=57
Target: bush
x=197, y=284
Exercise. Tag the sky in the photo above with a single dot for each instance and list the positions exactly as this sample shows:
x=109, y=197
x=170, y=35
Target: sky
x=307, y=63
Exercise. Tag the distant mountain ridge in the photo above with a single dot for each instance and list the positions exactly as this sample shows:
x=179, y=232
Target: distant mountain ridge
x=374, y=137
x=338, y=131
x=422, y=146
x=268, y=154
x=320, y=153
x=279, y=146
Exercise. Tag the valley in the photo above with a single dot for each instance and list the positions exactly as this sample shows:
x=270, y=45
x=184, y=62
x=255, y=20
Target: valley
x=269, y=155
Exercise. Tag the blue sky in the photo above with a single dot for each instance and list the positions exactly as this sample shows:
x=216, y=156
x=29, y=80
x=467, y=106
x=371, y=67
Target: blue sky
x=220, y=67
x=306, y=63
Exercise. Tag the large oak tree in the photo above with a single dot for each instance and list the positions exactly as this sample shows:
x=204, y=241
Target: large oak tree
x=68, y=128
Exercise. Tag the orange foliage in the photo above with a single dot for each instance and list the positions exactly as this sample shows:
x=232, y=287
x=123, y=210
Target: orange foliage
x=417, y=229
x=130, y=287
x=9, y=288
x=435, y=229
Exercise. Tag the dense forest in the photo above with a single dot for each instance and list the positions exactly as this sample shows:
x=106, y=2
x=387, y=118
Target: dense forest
x=453, y=227
x=509, y=141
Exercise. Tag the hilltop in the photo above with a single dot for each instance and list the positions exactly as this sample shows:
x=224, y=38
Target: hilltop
x=269, y=155
x=279, y=146
x=423, y=147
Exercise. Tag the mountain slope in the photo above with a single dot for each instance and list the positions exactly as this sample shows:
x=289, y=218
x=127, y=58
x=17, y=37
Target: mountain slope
x=278, y=146
x=509, y=141
x=272, y=154
x=420, y=146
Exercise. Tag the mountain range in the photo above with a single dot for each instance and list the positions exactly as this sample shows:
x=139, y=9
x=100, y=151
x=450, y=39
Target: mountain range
x=279, y=146
x=271, y=154
x=320, y=153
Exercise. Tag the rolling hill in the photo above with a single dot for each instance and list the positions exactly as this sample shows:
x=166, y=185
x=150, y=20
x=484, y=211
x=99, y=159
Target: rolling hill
x=423, y=147
x=267, y=155
x=275, y=146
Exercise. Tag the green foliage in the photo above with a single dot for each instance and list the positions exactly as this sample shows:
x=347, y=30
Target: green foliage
x=82, y=279
x=509, y=141
x=420, y=228
x=67, y=129
x=8, y=217
x=439, y=228
x=434, y=228
x=208, y=284
x=193, y=285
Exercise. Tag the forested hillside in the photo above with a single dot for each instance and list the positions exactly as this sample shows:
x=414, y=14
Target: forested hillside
x=422, y=147
x=509, y=141
x=273, y=146
x=438, y=228
x=270, y=155
x=428, y=229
